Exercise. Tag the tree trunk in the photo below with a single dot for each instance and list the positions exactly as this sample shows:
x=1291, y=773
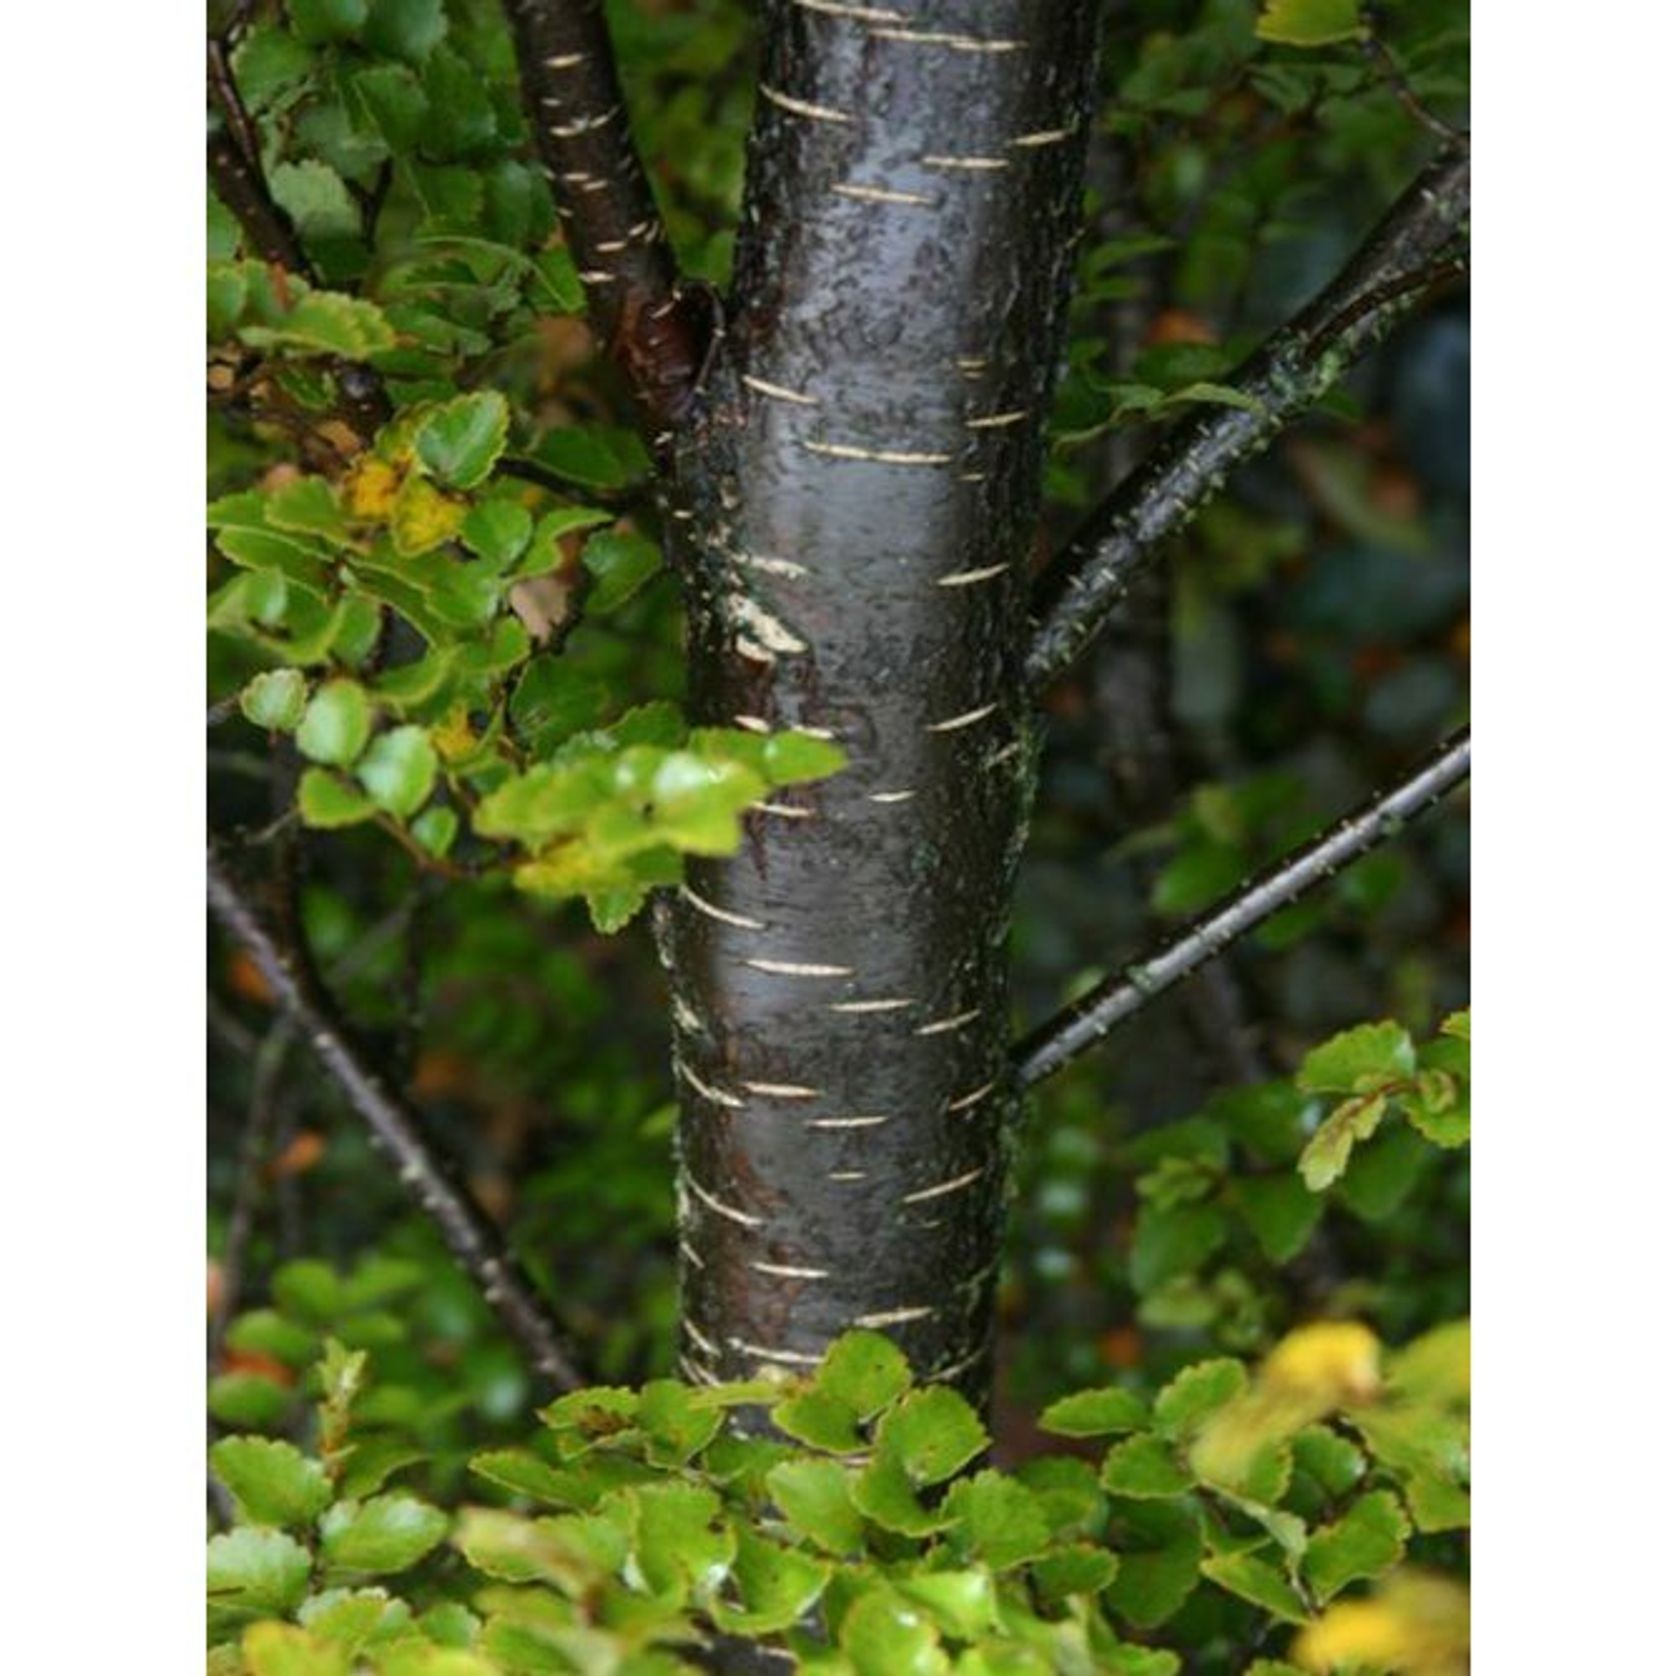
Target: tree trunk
x=856, y=485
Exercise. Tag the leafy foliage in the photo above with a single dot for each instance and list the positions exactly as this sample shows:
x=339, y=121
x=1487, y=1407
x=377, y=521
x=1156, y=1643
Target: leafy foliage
x=446, y=644
x=640, y=1523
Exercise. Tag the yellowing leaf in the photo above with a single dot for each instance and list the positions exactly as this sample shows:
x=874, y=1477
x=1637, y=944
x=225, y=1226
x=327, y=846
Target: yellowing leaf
x=422, y=517
x=370, y=489
x=1418, y=1624
x=1335, y=1360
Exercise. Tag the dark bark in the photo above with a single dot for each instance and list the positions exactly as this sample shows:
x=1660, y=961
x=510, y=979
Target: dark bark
x=650, y=325
x=856, y=487
x=1058, y=1041
x=1282, y=380
x=467, y=1232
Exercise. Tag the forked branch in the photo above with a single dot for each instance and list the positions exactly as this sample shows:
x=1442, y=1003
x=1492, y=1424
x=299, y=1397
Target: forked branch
x=1068, y=1033
x=469, y=1235
x=1410, y=249
x=605, y=201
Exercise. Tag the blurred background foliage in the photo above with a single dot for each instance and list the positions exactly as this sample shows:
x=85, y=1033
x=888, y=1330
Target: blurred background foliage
x=1307, y=638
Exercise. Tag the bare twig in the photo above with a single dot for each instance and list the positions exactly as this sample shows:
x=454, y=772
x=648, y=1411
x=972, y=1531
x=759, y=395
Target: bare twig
x=256, y=1146
x=1079, y=1026
x=650, y=325
x=474, y=1241
x=1281, y=381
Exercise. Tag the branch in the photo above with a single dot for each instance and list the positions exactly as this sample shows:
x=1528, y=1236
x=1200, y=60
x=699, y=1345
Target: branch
x=235, y=170
x=612, y=225
x=1079, y=1026
x=1281, y=380
x=466, y=1231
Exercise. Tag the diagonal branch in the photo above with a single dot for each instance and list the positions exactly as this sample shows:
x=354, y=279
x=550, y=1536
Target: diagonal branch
x=612, y=225
x=236, y=173
x=1284, y=378
x=1078, y=1027
x=395, y=1126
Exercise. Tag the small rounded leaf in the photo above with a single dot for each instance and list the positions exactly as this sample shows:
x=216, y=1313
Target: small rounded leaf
x=336, y=725
x=388, y=1533
x=273, y=1482
x=275, y=699
x=399, y=770
x=460, y=442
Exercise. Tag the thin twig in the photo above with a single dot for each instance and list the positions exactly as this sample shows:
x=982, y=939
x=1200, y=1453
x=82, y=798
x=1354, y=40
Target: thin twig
x=256, y=1147
x=467, y=1232
x=1078, y=1027
x=652, y=326
x=1385, y=66
x=1277, y=384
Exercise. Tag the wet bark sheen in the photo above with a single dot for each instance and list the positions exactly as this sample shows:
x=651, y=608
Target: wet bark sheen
x=855, y=488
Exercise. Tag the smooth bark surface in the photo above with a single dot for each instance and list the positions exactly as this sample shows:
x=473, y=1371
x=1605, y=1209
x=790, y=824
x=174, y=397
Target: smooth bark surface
x=856, y=489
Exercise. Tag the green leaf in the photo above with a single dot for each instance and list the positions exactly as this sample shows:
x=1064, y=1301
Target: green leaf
x=460, y=441
x=1143, y=1467
x=554, y=699
x=307, y=505
x=326, y=323
x=1079, y=1570
x=1095, y=1414
x=997, y=1520
x=387, y=1533
x=317, y=21
x=777, y=1586
x=497, y=530
x=257, y=1570
x=789, y=758
x=275, y=699
x=680, y=1537
x=1365, y=1543
x=677, y=1421
x=1310, y=23
x=885, y=1636
x=285, y=1650
x=399, y=770
x=865, y=1370
x=326, y=800
x=814, y=1497
x=1196, y=1393
x=1257, y=1581
x=248, y=1399
x=315, y=199
x=406, y=28
x=557, y=285
x=1161, y=1546
x=1358, y=1060
x=274, y=1483
x=1172, y=1242
x=621, y=564
x=933, y=1433
x=267, y=1333
x=1280, y=1210
x=963, y=1603
x=1334, y=1462
x=435, y=831
x=336, y=725
x=819, y=1421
